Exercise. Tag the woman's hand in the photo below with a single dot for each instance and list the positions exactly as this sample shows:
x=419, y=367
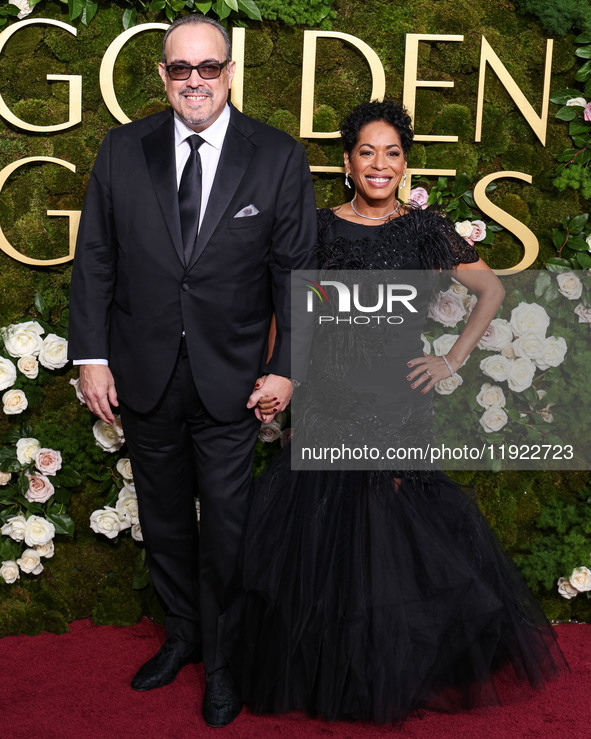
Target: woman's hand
x=428, y=369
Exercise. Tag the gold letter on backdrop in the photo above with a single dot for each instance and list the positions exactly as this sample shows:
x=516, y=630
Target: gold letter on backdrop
x=537, y=122
x=237, y=91
x=73, y=215
x=411, y=63
x=378, y=89
x=530, y=243
x=74, y=80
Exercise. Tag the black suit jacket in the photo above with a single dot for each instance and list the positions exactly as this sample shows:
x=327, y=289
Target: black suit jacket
x=132, y=295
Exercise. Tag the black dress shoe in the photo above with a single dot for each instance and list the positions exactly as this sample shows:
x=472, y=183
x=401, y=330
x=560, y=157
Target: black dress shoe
x=221, y=702
x=164, y=666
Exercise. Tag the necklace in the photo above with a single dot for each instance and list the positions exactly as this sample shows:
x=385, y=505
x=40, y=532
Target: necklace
x=375, y=218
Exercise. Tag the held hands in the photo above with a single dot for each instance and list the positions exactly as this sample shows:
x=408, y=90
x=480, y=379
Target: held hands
x=98, y=387
x=271, y=394
x=429, y=370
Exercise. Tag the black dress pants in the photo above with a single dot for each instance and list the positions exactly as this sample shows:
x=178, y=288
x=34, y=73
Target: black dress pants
x=178, y=451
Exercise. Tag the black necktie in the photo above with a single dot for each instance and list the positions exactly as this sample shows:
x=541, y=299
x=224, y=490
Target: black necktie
x=190, y=197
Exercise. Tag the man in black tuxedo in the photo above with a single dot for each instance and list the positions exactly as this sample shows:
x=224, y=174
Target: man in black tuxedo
x=184, y=253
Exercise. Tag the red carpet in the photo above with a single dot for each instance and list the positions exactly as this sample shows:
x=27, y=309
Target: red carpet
x=76, y=686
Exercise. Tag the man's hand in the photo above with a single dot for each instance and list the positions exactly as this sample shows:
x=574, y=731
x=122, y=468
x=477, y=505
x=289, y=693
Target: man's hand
x=272, y=396
x=98, y=387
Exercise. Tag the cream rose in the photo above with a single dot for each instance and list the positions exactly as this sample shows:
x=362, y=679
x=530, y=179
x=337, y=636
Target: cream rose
x=566, y=589
x=108, y=522
x=490, y=395
x=48, y=461
x=30, y=562
x=26, y=449
x=76, y=385
x=448, y=384
x=126, y=505
x=457, y=288
x=469, y=302
x=448, y=309
x=493, y=419
x=29, y=366
x=478, y=230
x=40, y=489
x=7, y=373
x=23, y=339
x=554, y=353
x=444, y=344
x=124, y=468
x=496, y=366
x=107, y=436
x=509, y=352
x=269, y=432
x=583, y=313
x=9, y=571
x=521, y=374
x=570, y=285
x=426, y=344
x=54, y=352
x=136, y=532
x=577, y=101
x=23, y=6
x=15, y=528
x=497, y=336
x=464, y=228
x=529, y=317
x=45, y=550
x=38, y=531
x=5, y=477
x=529, y=345
x=581, y=579
x=14, y=401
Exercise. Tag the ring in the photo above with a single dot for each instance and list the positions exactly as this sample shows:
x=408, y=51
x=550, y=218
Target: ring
x=427, y=371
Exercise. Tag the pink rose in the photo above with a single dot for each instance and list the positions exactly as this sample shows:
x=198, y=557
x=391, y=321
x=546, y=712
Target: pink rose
x=587, y=112
x=419, y=196
x=478, y=230
x=48, y=461
x=448, y=309
x=583, y=313
x=40, y=489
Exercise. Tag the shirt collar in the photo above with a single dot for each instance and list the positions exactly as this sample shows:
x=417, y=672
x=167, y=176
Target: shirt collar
x=213, y=135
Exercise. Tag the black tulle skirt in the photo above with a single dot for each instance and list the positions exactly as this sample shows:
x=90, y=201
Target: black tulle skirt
x=369, y=597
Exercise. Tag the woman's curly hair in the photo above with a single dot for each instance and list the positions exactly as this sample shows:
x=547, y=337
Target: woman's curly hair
x=393, y=113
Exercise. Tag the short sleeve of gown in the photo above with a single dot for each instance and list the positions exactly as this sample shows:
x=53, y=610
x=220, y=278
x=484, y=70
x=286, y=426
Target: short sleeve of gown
x=448, y=248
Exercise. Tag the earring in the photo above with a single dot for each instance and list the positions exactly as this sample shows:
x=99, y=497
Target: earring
x=403, y=183
x=347, y=183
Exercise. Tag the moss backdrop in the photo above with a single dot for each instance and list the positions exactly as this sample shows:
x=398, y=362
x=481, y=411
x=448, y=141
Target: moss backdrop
x=90, y=576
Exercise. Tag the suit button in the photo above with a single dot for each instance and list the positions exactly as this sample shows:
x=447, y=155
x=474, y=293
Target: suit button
x=185, y=286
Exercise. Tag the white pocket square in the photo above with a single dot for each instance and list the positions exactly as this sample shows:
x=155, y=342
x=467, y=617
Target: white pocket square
x=250, y=210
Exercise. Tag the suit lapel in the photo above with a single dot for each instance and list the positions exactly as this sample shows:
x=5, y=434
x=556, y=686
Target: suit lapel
x=237, y=152
x=159, y=151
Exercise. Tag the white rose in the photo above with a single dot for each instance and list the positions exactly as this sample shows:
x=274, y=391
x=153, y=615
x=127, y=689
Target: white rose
x=529, y=317
x=29, y=366
x=448, y=384
x=493, y=419
x=570, y=285
x=457, y=288
x=107, y=521
x=15, y=528
x=21, y=339
x=9, y=571
x=54, y=352
x=547, y=415
x=566, y=589
x=26, y=449
x=45, y=550
x=30, y=562
x=464, y=228
x=509, y=352
x=14, y=401
x=448, y=309
x=7, y=373
x=478, y=230
x=581, y=102
x=529, y=345
x=23, y=6
x=38, y=531
x=588, y=240
x=444, y=344
x=490, y=395
x=107, y=436
x=5, y=477
x=554, y=353
x=136, y=532
x=426, y=344
x=48, y=461
x=469, y=302
x=496, y=366
x=497, y=336
x=521, y=374
x=269, y=432
x=581, y=579
x=76, y=384
x=126, y=505
x=124, y=468
x=40, y=489
x=583, y=313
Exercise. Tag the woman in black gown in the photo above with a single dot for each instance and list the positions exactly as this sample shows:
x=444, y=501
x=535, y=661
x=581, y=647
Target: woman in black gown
x=370, y=594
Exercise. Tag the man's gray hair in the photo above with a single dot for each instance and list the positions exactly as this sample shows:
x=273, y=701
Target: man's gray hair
x=197, y=19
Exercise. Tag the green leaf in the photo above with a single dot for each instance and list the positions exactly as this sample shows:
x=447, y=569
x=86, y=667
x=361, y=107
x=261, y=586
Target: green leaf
x=551, y=293
x=578, y=244
x=584, y=38
x=566, y=113
x=62, y=496
x=141, y=576
x=157, y=5
x=557, y=265
x=39, y=302
x=68, y=477
x=584, y=72
x=578, y=223
x=584, y=259
x=561, y=97
x=558, y=237
x=251, y=9
x=460, y=185
x=203, y=7
x=579, y=126
x=233, y=4
x=75, y=8
x=583, y=52
x=169, y=13
x=62, y=522
x=129, y=18
x=543, y=281
x=9, y=549
x=89, y=12
x=491, y=188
